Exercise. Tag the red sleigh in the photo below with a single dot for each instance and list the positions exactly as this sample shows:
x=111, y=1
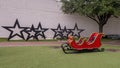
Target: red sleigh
x=92, y=44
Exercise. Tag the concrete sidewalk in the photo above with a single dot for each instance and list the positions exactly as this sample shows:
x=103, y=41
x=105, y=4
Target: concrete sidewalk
x=47, y=43
x=37, y=43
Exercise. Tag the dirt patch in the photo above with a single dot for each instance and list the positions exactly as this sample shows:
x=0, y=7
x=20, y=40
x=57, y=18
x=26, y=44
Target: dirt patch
x=113, y=50
x=55, y=47
x=114, y=42
x=109, y=50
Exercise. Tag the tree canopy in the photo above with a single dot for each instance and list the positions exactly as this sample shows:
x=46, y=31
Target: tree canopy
x=98, y=10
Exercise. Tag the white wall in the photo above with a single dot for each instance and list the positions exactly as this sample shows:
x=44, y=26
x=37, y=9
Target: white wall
x=49, y=14
x=113, y=26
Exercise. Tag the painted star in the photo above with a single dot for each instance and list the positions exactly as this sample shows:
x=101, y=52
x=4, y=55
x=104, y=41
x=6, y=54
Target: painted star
x=40, y=31
x=58, y=31
x=15, y=30
x=31, y=33
x=76, y=31
x=65, y=32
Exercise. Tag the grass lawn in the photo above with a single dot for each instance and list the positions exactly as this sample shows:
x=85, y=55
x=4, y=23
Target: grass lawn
x=49, y=57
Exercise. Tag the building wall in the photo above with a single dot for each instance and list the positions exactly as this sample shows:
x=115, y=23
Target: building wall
x=113, y=26
x=47, y=12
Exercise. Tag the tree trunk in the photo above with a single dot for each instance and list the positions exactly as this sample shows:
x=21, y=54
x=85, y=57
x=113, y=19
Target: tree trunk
x=101, y=28
x=101, y=20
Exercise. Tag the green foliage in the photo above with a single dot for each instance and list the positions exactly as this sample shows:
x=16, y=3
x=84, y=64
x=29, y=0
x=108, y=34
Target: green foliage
x=92, y=7
x=98, y=10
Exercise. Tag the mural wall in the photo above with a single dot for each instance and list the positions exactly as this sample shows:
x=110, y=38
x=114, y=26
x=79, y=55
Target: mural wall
x=49, y=15
x=32, y=32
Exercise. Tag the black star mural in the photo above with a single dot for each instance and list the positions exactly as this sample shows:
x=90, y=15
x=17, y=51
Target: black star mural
x=58, y=32
x=31, y=33
x=40, y=31
x=15, y=30
x=65, y=32
x=76, y=31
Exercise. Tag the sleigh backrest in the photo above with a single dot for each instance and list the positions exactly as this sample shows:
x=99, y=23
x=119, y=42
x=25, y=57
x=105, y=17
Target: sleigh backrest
x=92, y=37
x=97, y=40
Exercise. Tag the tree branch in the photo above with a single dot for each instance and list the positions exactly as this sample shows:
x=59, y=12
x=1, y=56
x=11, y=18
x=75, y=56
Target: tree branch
x=93, y=18
x=107, y=17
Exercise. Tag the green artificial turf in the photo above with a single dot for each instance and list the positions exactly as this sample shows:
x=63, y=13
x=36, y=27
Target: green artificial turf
x=49, y=57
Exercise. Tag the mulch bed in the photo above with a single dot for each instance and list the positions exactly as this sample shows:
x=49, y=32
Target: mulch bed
x=114, y=42
x=55, y=47
x=113, y=50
